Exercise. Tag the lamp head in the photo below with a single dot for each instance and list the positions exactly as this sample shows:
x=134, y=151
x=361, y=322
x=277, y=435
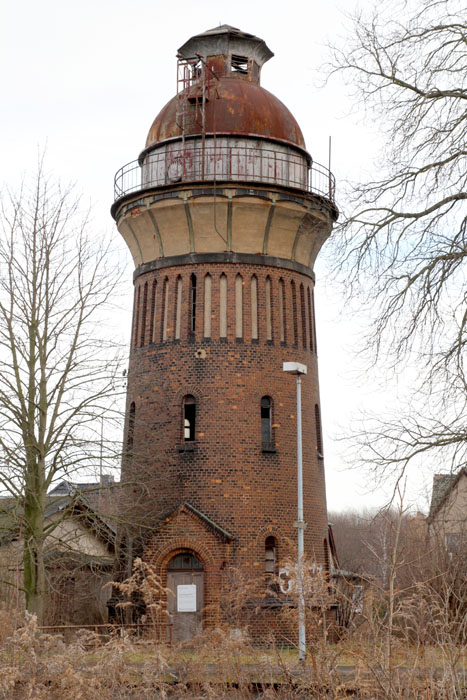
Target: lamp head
x=294, y=368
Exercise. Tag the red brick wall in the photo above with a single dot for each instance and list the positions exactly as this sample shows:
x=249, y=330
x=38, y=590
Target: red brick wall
x=227, y=476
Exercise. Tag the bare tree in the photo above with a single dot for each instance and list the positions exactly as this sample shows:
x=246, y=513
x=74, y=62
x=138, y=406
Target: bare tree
x=402, y=239
x=56, y=378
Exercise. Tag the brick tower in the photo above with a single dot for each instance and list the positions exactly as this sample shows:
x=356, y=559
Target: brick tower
x=224, y=213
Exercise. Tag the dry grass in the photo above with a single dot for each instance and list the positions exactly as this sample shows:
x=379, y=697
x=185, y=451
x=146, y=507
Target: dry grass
x=39, y=666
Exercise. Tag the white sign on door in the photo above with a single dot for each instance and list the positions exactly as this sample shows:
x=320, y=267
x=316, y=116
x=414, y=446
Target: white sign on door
x=186, y=598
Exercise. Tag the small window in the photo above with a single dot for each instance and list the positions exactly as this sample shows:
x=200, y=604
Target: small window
x=189, y=418
x=239, y=64
x=266, y=423
x=270, y=555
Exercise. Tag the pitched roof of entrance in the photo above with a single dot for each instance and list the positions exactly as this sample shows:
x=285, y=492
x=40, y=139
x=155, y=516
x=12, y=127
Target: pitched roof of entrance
x=212, y=525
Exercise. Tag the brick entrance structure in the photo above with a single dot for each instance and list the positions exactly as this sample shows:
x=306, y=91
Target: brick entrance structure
x=224, y=214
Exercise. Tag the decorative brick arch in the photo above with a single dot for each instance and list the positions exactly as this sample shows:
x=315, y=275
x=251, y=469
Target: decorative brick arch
x=178, y=545
x=188, y=390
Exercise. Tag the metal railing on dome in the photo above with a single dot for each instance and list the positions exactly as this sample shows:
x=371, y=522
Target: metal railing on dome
x=224, y=164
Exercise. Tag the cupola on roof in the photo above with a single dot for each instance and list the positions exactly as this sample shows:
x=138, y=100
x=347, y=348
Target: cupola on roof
x=225, y=40
x=222, y=77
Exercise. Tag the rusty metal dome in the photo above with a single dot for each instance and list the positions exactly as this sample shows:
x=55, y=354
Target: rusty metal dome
x=220, y=92
x=235, y=106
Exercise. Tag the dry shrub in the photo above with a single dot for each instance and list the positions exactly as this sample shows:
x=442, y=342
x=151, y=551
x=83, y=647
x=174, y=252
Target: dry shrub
x=392, y=658
x=142, y=591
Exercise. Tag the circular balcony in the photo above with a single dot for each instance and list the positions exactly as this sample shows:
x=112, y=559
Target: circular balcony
x=220, y=160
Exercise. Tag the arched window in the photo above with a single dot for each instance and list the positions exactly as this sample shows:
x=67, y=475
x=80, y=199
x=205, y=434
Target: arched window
x=266, y=423
x=270, y=555
x=185, y=561
x=319, y=436
x=189, y=418
x=192, y=326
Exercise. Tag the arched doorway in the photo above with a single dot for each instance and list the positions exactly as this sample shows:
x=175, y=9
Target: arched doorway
x=185, y=581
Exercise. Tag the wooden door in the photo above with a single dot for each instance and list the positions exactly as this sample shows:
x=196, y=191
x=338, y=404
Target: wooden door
x=185, y=600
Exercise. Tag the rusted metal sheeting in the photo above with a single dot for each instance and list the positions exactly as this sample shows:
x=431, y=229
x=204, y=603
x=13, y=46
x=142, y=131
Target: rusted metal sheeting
x=234, y=106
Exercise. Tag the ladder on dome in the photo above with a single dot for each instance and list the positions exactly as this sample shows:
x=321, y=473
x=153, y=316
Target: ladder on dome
x=193, y=83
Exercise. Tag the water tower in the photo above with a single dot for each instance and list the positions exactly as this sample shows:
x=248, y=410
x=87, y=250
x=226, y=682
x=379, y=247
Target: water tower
x=224, y=213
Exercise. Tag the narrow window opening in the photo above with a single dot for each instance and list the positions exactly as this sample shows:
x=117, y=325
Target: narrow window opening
x=282, y=310
x=239, y=306
x=223, y=305
x=131, y=430
x=239, y=64
x=303, y=315
x=283, y=303
x=319, y=436
x=326, y=556
x=266, y=424
x=207, y=305
x=133, y=322
x=152, y=320
x=192, y=303
x=310, y=318
x=144, y=314
x=268, y=309
x=254, y=307
x=178, y=307
x=165, y=309
x=294, y=313
x=270, y=555
x=314, y=320
x=189, y=418
x=135, y=336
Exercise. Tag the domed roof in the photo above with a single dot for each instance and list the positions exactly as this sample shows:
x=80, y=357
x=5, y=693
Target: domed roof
x=234, y=106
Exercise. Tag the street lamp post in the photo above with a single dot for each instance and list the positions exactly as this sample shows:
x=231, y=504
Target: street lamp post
x=298, y=369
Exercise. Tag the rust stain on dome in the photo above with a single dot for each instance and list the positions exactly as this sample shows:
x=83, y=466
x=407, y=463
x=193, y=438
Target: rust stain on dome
x=233, y=107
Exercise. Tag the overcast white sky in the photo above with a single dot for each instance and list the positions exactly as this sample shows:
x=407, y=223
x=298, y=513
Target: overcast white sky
x=86, y=79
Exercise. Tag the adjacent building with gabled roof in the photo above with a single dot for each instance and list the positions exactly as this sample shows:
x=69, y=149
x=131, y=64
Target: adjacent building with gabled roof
x=79, y=554
x=448, y=510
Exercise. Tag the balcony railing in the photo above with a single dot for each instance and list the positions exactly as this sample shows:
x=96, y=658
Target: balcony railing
x=243, y=163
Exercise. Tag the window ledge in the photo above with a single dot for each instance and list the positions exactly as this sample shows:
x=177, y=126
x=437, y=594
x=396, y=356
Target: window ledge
x=187, y=447
x=268, y=447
